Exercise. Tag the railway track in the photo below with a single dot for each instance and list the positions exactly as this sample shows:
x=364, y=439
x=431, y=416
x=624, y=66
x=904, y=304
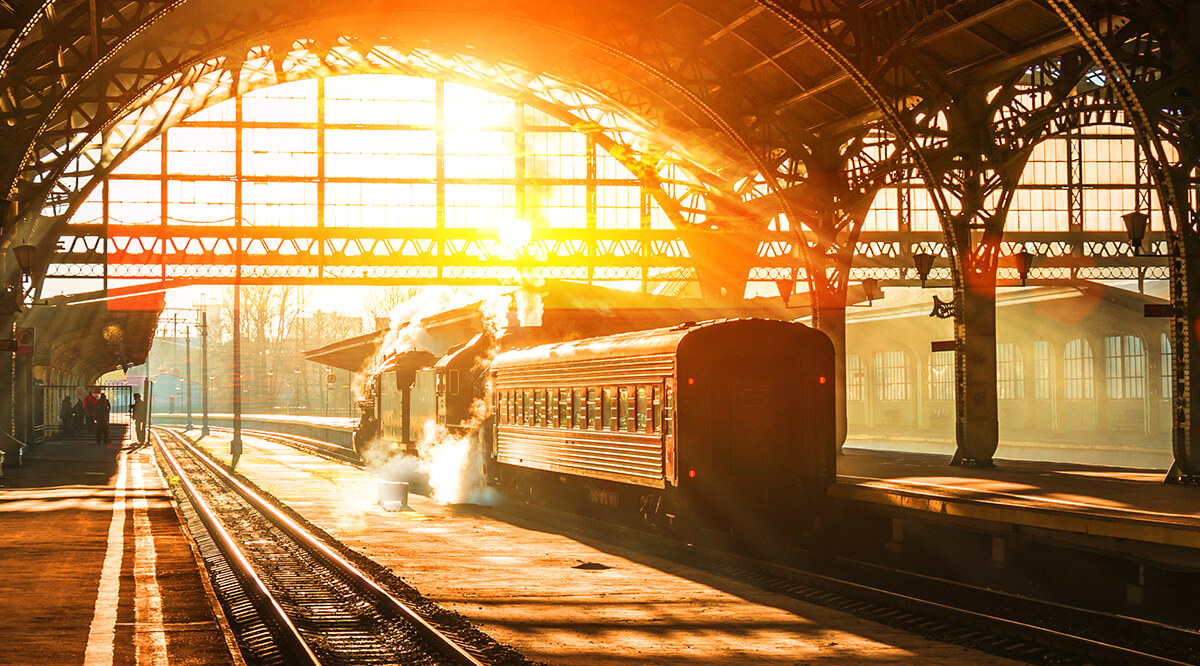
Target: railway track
x=290, y=598
x=307, y=444
x=1013, y=626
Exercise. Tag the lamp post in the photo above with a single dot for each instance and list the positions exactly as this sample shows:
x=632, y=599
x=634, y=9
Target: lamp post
x=187, y=351
x=204, y=366
x=205, y=379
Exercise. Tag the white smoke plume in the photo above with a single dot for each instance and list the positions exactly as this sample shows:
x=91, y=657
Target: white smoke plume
x=454, y=466
x=405, y=332
x=529, y=305
x=453, y=461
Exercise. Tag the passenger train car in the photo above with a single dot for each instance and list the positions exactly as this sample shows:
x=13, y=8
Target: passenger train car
x=729, y=424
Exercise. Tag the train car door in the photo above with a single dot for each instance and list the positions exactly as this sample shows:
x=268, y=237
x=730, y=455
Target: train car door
x=665, y=424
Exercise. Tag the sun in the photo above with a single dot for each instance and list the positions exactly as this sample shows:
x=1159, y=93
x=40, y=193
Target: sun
x=514, y=233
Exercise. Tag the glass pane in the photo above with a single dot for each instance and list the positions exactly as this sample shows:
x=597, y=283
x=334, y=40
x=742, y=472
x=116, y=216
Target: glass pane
x=580, y=411
x=641, y=408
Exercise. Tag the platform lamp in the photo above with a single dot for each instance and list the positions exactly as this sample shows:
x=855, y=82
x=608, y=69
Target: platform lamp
x=26, y=255
x=924, y=262
x=1135, y=226
x=871, y=290
x=1024, y=262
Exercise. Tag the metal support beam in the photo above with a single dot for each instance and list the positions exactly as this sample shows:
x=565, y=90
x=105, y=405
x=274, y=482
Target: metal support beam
x=1185, y=296
x=977, y=422
x=7, y=392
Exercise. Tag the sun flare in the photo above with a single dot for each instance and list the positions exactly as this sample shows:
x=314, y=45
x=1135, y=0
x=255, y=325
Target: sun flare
x=515, y=233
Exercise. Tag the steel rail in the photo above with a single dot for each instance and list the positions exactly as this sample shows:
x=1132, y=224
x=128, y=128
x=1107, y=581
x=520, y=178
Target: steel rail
x=449, y=648
x=308, y=444
x=1006, y=626
x=291, y=642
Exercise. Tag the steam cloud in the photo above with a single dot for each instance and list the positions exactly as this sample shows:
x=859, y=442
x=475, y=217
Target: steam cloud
x=451, y=460
x=405, y=332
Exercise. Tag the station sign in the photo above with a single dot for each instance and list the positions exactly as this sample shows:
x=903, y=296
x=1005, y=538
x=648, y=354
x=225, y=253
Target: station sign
x=942, y=345
x=24, y=341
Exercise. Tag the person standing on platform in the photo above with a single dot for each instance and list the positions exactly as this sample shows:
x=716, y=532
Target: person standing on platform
x=80, y=418
x=100, y=412
x=66, y=416
x=138, y=411
x=89, y=407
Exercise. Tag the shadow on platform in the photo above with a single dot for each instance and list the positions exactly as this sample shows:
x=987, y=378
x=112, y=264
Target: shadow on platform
x=71, y=461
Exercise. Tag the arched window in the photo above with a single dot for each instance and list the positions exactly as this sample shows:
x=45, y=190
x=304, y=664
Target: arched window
x=892, y=380
x=941, y=375
x=1010, y=372
x=1043, y=371
x=1125, y=366
x=854, y=377
x=1167, y=368
x=1077, y=370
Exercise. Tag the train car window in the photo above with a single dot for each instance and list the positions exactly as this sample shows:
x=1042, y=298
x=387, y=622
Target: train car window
x=606, y=419
x=578, y=408
x=593, y=409
x=454, y=382
x=656, y=405
x=544, y=414
x=552, y=408
x=539, y=408
x=564, y=408
x=641, y=408
x=501, y=407
x=526, y=407
x=623, y=408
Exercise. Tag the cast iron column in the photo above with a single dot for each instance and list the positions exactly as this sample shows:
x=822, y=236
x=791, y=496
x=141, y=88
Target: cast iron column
x=1185, y=297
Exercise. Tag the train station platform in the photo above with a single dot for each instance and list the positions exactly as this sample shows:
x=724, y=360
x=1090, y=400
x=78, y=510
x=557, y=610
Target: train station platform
x=97, y=569
x=1113, y=502
x=567, y=599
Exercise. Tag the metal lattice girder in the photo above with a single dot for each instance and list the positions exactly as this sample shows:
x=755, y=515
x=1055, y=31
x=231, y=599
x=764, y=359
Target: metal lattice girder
x=743, y=69
x=884, y=255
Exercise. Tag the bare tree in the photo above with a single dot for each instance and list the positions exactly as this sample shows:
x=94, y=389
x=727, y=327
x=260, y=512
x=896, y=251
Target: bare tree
x=270, y=344
x=382, y=300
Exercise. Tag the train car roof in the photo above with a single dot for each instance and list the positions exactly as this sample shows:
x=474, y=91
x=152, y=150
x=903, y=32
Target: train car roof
x=621, y=345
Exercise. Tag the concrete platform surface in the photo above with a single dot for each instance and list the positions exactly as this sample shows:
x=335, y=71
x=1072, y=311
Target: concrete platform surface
x=524, y=587
x=1126, y=503
x=96, y=567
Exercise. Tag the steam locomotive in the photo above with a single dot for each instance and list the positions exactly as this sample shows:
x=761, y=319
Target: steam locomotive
x=729, y=423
